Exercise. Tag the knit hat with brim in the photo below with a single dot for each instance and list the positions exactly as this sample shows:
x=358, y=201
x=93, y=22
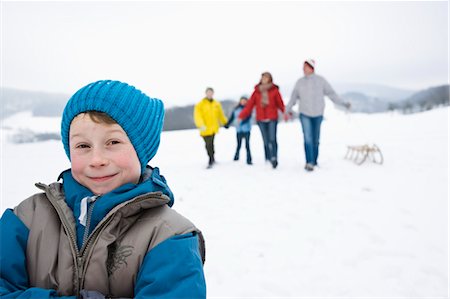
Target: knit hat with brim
x=311, y=62
x=140, y=116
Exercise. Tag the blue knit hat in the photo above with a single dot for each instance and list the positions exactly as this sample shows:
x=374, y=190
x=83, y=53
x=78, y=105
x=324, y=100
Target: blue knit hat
x=140, y=116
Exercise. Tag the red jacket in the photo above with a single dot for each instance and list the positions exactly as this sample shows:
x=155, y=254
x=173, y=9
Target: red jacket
x=263, y=113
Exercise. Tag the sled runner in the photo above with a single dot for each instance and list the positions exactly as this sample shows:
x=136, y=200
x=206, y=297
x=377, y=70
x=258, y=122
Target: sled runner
x=359, y=154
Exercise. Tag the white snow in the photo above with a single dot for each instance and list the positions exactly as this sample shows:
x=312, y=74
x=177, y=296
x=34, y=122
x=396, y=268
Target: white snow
x=341, y=231
x=26, y=121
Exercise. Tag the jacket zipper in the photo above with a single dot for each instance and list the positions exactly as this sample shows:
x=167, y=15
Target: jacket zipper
x=87, y=246
x=72, y=238
x=79, y=255
x=88, y=219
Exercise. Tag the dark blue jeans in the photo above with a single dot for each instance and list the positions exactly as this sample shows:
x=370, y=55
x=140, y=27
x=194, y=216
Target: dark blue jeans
x=239, y=137
x=269, y=135
x=311, y=135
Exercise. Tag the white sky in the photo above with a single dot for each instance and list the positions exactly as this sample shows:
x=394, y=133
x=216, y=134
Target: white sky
x=173, y=50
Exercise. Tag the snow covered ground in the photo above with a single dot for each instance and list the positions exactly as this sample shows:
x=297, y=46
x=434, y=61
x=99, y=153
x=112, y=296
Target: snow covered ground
x=342, y=231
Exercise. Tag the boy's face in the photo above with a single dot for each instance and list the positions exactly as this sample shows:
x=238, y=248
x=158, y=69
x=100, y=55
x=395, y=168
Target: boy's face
x=102, y=156
x=209, y=94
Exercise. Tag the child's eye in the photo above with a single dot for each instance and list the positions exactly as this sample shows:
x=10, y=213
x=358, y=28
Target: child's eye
x=112, y=142
x=82, y=146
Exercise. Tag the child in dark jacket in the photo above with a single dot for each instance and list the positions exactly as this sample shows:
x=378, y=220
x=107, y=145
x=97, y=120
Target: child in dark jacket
x=107, y=230
x=243, y=129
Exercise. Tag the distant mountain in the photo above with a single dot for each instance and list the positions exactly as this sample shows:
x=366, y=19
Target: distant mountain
x=40, y=103
x=416, y=102
x=370, y=99
x=424, y=100
x=376, y=91
x=364, y=103
x=13, y=101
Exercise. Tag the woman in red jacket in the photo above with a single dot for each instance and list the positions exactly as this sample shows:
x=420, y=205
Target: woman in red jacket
x=268, y=101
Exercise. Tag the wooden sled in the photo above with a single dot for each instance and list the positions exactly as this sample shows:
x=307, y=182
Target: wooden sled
x=362, y=153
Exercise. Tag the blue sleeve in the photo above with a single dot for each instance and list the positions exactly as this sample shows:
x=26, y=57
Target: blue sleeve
x=13, y=269
x=230, y=120
x=173, y=269
x=247, y=120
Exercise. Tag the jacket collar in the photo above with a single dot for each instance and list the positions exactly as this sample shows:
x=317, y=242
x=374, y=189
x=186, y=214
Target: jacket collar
x=151, y=181
x=151, y=191
x=274, y=86
x=310, y=76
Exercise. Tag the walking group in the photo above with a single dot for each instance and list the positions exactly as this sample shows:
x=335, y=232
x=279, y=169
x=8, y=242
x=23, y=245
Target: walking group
x=266, y=100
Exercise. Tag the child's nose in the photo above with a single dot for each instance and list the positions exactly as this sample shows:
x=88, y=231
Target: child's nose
x=98, y=158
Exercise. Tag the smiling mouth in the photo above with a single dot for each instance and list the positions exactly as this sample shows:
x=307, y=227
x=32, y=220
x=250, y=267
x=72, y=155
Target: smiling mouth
x=102, y=178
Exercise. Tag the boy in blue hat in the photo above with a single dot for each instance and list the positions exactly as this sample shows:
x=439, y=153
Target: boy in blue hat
x=107, y=230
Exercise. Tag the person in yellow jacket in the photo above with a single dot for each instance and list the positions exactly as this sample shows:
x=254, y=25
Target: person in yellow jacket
x=208, y=116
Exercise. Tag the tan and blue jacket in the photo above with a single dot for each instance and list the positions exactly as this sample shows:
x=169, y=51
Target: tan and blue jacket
x=132, y=245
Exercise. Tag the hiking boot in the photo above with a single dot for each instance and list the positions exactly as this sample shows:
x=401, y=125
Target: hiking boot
x=236, y=157
x=309, y=167
x=249, y=162
x=274, y=163
x=210, y=163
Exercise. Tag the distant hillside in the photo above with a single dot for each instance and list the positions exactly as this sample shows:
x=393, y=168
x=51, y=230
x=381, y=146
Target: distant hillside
x=50, y=104
x=178, y=118
x=424, y=100
x=381, y=92
x=421, y=101
x=364, y=103
x=40, y=103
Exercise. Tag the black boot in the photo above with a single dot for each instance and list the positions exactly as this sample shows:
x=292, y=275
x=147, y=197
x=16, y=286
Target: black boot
x=274, y=163
x=210, y=163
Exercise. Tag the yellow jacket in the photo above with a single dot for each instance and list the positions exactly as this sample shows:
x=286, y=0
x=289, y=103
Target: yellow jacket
x=208, y=115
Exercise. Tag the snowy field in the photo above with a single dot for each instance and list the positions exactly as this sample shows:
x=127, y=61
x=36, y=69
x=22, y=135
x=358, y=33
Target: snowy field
x=342, y=231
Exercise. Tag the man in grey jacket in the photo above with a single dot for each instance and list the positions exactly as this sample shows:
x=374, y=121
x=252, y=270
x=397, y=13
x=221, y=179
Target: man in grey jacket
x=309, y=92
